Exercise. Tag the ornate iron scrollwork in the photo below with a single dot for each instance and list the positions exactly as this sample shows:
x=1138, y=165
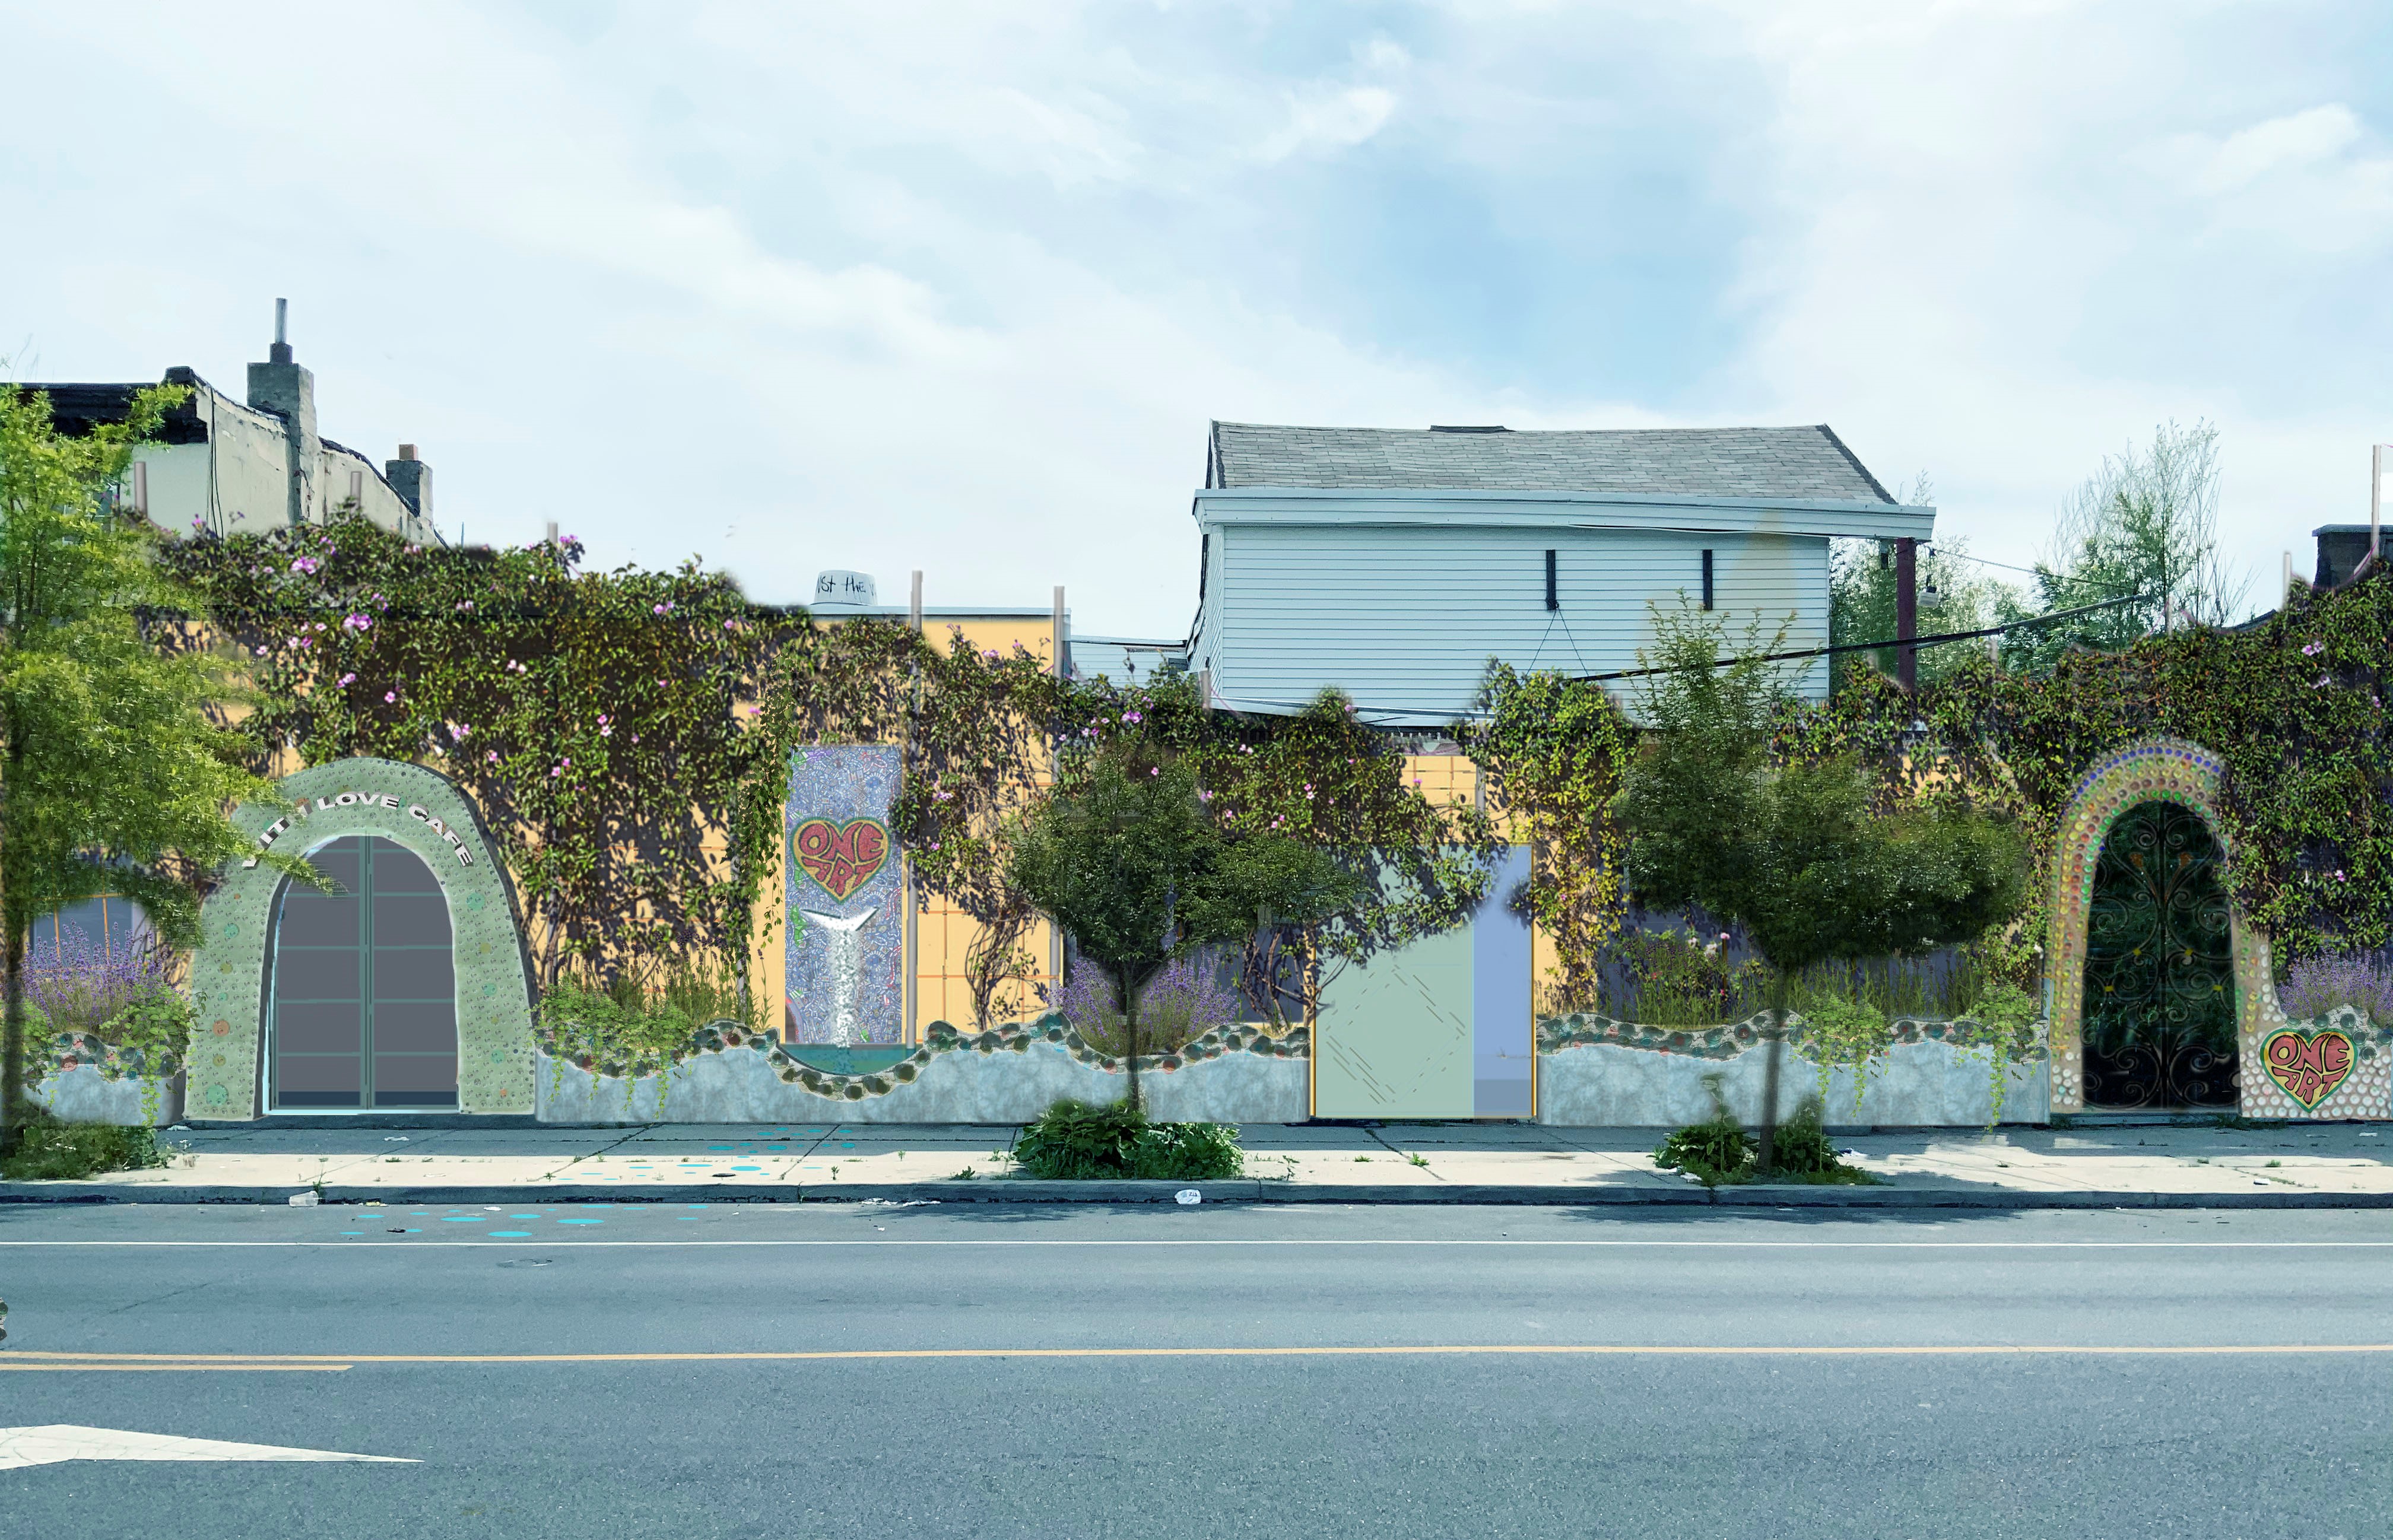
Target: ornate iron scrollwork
x=2160, y=976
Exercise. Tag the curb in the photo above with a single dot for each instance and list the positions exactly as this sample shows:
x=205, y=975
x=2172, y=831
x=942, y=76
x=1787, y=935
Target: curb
x=1243, y=1191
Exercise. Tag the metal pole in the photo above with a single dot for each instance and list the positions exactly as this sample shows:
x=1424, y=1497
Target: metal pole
x=2375, y=494
x=1906, y=610
x=915, y=607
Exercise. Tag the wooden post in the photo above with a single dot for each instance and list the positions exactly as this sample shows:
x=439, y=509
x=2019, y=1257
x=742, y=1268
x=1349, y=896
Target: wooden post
x=1906, y=610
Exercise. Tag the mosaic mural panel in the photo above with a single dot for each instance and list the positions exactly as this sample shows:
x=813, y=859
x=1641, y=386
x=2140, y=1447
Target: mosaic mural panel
x=2172, y=770
x=429, y=816
x=846, y=898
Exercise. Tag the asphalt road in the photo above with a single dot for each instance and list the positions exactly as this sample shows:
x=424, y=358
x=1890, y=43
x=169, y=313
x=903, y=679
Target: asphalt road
x=990, y=1372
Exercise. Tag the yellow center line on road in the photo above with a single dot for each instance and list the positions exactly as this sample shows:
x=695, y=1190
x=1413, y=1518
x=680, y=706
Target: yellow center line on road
x=318, y=1360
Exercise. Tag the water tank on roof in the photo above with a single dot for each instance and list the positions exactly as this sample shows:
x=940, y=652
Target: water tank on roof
x=843, y=592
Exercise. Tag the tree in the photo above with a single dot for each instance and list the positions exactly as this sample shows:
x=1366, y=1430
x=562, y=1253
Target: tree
x=111, y=776
x=1130, y=860
x=1801, y=855
x=2145, y=525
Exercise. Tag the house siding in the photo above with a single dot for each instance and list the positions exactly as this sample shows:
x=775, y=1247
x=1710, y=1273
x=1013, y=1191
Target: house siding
x=1404, y=617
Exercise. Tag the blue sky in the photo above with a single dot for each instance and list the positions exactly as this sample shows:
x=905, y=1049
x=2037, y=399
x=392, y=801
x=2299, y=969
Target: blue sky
x=892, y=286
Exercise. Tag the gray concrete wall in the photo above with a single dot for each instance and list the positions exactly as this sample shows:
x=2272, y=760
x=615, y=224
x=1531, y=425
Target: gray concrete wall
x=84, y=1095
x=1911, y=1085
x=964, y=1084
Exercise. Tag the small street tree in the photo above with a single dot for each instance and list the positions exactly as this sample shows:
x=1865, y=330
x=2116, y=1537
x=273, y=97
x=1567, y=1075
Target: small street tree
x=111, y=778
x=1801, y=855
x=1131, y=863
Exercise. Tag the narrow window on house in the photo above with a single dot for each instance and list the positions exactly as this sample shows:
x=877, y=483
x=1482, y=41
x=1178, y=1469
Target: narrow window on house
x=1553, y=595
x=1707, y=579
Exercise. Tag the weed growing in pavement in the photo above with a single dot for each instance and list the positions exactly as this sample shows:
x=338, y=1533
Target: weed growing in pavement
x=67, y=1151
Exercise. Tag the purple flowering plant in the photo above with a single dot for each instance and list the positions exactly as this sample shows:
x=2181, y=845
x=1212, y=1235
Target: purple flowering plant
x=2331, y=980
x=114, y=1008
x=1186, y=1000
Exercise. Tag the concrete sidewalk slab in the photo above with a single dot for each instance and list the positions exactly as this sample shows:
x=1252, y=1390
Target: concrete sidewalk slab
x=2332, y=1165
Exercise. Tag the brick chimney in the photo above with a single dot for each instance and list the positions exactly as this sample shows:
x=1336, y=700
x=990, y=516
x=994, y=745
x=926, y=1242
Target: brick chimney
x=288, y=391
x=411, y=479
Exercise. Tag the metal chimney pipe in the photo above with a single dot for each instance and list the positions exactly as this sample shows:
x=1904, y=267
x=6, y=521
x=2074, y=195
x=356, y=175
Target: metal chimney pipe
x=281, y=320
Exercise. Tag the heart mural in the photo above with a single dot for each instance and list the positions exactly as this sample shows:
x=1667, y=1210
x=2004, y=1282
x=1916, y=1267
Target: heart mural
x=841, y=857
x=2307, y=1065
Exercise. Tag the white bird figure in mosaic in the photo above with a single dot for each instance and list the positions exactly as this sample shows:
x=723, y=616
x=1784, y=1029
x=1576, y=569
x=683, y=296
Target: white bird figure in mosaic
x=846, y=969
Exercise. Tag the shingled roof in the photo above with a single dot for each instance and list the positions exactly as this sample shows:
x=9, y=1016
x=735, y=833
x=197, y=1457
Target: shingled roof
x=1810, y=462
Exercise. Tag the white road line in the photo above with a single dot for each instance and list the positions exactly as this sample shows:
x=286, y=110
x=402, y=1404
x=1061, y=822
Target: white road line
x=562, y=1241
x=58, y=1442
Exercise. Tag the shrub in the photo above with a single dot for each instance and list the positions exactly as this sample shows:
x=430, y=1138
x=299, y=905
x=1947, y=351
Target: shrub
x=68, y=1152
x=1717, y=1151
x=2332, y=980
x=1187, y=1152
x=1712, y=1152
x=1073, y=1141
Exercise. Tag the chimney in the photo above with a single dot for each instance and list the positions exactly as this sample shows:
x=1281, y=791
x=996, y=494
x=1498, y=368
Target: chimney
x=2340, y=548
x=286, y=390
x=411, y=479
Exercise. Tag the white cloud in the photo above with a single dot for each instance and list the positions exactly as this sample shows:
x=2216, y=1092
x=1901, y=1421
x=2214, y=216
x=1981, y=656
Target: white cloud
x=1333, y=120
x=906, y=284
x=2296, y=139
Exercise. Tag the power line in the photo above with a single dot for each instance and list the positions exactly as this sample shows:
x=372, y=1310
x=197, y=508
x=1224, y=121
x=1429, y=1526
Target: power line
x=1897, y=642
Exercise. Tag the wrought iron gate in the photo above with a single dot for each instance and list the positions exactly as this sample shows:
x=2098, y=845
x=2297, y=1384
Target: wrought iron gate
x=2160, y=981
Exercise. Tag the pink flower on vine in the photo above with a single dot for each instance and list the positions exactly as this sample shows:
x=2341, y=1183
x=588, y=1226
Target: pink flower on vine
x=260, y=651
x=731, y=625
x=1155, y=770
x=391, y=698
x=357, y=622
x=457, y=733
x=346, y=680
x=554, y=771
x=1204, y=796
x=464, y=604
x=491, y=756
x=665, y=608
x=2311, y=650
x=2320, y=683
x=304, y=564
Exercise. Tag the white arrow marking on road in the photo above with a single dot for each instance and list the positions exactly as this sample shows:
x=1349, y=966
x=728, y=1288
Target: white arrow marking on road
x=64, y=1440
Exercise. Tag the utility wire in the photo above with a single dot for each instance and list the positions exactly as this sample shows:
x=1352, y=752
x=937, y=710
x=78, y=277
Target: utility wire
x=1914, y=642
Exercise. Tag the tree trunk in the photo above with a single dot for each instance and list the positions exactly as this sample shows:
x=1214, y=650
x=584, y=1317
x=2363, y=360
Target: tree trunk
x=1129, y=1032
x=14, y=1110
x=1768, y=1155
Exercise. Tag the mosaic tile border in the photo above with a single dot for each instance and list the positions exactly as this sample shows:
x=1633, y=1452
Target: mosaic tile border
x=2159, y=769
x=494, y=1038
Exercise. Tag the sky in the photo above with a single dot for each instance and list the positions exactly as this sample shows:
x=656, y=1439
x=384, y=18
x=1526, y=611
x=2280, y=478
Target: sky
x=957, y=287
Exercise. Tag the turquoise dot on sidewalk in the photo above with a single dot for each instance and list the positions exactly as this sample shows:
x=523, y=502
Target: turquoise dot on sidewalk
x=582, y=1221
x=512, y=1235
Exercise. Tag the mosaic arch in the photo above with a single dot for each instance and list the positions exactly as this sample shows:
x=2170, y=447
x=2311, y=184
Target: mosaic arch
x=424, y=812
x=2172, y=770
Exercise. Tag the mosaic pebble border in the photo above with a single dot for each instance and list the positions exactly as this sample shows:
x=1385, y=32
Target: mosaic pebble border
x=1557, y=1034
x=1017, y=1037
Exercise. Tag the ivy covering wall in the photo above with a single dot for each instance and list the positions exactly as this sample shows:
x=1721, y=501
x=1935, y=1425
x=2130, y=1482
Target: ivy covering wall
x=2293, y=704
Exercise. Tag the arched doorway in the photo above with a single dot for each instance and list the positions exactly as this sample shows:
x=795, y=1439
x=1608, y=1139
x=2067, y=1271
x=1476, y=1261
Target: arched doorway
x=2159, y=1018
x=361, y=984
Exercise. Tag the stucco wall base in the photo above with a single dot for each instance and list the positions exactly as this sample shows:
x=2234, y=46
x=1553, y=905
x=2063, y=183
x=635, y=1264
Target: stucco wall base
x=1009, y=1085
x=1911, y=1085
x=84, y=1095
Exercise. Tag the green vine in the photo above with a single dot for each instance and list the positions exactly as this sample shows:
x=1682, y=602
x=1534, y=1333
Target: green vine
x=1851, y=1034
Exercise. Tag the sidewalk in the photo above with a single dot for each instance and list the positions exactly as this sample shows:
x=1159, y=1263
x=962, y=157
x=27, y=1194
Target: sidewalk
x=2337, y=1164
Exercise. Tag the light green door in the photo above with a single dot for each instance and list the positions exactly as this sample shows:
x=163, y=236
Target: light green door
x=1393, y=1038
